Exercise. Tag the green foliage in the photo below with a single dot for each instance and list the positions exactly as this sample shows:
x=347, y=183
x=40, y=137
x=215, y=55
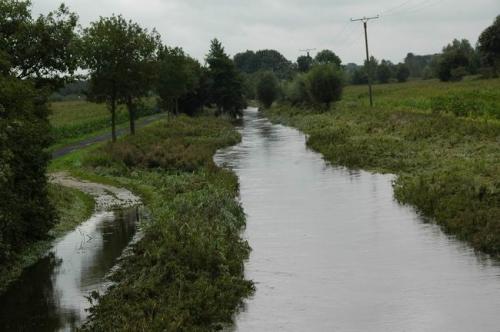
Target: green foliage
x=26, y=215
x=180, y=81
x=304, y=63
x=296, y=91
x=489, y=45
x=226, y=84
x=327, y=57
x=402, y=73
x=186, y=273
x=384, y=72
x=474, y=103
x=35, y=56
x=324, y=83
x=41, y=49
x=251, y=62
x=456, y=61
x=417, y=64
x=267, y=89
x=447, y=166
x=120, y=56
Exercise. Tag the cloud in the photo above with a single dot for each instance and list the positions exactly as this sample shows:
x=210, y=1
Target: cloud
x=419, y=26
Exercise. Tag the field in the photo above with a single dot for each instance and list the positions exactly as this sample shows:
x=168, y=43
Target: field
x=187, y=271
x=77, y=119
x=447, y=160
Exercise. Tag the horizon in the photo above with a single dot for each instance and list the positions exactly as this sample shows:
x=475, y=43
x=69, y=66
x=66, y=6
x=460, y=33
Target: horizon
x=282, y=25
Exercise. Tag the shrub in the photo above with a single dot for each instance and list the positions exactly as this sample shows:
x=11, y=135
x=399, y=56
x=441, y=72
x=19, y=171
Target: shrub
x=267, y=89
x=324, y=84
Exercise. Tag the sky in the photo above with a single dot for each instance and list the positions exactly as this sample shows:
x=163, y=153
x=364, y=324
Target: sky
x=289, y=26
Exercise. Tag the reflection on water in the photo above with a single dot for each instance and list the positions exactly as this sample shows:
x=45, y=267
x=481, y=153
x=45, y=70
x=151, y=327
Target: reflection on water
x=52, y=294
x=333, y=251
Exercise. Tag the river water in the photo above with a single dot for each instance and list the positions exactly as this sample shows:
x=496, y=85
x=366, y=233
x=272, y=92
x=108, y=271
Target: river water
x=333, y=250
x=51, y=295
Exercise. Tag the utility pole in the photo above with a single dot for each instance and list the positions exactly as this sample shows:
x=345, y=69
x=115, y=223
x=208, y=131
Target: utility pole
x=307, y=50
x=365, y=21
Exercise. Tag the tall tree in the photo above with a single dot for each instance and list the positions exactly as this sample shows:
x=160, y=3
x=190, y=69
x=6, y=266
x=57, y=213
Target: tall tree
x=36, y=56
x=173, y=77
x=304, y=63
x=120, y=56
x=326, y=57
x=489, y=45
x=325, y=84
x=456, y=61
x=226, y=85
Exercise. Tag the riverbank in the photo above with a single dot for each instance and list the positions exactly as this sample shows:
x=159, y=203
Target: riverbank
x=447, y=166
x=187, y=270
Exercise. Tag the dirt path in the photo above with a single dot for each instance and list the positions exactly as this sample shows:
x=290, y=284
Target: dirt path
x=104, y=137
x=106, y=196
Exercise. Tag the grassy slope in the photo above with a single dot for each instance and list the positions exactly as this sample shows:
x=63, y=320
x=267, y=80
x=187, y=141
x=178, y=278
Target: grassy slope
x=187, y=272
x=73, y=207
x=448, y=166
x=78, y=119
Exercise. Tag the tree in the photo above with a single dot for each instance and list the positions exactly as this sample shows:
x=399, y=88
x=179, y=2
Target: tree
x=226, y=85
x=42, y=50
x=36, y=56
x=251, y=62
x=267, y=89
x=384, y=71
x=173, y=77
x=120, y=56
x=456, y=61
x=324, y=84
x=489, y=45
x=402, y=73
x=326, y=57
x=304, y=63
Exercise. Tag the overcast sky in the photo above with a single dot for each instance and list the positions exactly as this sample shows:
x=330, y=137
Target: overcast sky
x=418, y=26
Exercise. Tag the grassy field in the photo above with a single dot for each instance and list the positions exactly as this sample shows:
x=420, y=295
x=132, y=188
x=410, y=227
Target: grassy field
x=73, y=207
x=448, y=163
x=186, y=273
x=74, y=120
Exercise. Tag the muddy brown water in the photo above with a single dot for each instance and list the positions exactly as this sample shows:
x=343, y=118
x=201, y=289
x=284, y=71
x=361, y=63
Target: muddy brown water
x=51, y=295
x=333, y=250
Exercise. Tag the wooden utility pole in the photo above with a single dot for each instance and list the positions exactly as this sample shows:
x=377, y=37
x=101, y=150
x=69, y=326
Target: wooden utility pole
x=307, y=50
x=365, y=24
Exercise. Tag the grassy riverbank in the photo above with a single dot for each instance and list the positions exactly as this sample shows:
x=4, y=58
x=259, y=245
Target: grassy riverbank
x=187, y=271
x=73, y=207
x=448, y=165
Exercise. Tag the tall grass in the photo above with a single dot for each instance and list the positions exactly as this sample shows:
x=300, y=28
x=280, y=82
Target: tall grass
x=448, y=165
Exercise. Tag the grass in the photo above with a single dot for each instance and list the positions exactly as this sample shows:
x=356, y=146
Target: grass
x=186, y=273
x=448, y=166
x=73, y=207
x=77, y=119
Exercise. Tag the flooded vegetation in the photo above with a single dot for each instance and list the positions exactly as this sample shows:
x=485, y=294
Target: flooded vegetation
x=333, y=250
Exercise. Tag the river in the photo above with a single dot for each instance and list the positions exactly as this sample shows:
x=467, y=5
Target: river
x=333, y=250
x=52, y=294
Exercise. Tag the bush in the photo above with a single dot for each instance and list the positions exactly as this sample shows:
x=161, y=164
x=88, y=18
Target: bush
x=324, y=84
x=402, y=73
x=267, y=89
x=296, y=91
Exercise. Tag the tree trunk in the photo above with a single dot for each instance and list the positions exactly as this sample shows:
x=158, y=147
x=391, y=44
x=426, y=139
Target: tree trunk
x=131, y=115
x=113, y=119
x=176, y=106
